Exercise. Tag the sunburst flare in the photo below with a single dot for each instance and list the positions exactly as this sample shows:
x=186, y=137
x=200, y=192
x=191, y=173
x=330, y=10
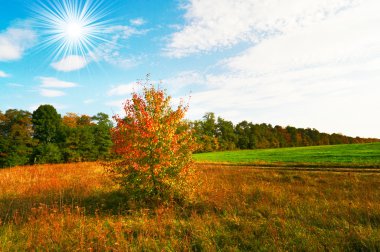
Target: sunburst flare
x=72, y=27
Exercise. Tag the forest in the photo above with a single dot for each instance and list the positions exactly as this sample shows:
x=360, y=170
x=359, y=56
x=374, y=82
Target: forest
x=45, y=136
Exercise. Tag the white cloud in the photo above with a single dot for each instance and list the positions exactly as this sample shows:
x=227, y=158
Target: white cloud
x=116, y=103
x=89, y=101
x=216, y=24
x=123, y=89
x=331, y=103
x=55, y=105
x=137, y=21
x=111, y=53
x=3, y=74
x=50, y=82
x=122, y=62
x=51, y=93
x=113, y=50
x=184, y=79
x=14, y=41
x=351, y=36
x=70, y=63
x=123, y=31
x=322, y=71
x=47, y=83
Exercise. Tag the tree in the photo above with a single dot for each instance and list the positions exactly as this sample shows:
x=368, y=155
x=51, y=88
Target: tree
x=86, y=147
x=71, y=143
x=242, y=131
x=103, y=140
x=226, y=134
x=86, y=138
x=209, y=124
x=47, y=153
x=47, y=129
x=206, y=133
x=46, y=124
x=155, y=144
x=70, y=120
x=16, y=142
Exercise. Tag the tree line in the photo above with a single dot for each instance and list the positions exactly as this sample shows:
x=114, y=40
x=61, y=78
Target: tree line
x=218, y=134
x=44, y=136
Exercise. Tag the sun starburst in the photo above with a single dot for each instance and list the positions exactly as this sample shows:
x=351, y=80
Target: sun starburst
x=71, y=27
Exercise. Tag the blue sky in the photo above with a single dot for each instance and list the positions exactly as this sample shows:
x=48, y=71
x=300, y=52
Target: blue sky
x=303, y=63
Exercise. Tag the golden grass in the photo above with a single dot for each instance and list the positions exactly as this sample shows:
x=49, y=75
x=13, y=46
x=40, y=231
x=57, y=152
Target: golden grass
x=74, y=207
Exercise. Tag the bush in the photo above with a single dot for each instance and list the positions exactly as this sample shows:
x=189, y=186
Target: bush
x=155, y=144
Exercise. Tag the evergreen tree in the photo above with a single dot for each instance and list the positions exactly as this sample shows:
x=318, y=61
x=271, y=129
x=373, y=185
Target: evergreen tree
x=46, y=124
x=102, y=133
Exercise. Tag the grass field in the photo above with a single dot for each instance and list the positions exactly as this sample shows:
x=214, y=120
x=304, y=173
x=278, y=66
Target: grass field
x=74, y=207
x=351, y=155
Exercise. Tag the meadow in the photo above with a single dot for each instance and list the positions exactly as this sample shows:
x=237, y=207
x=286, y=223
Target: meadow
x=344, y=155
x=75, y=207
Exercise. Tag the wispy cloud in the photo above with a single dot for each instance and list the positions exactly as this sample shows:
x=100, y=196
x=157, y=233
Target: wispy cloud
x=217, y=24
x=50, y=82
x=112, y=50
x=185, y=79
x=55, y=105
x=89, y=101
x=70, y=63
x=49, y=86
x=115, y=103
x=123, y=31
x=137, y=21
x=3, y=74
x=15, y=85
x=51, y=93
x=14, y=41
x=122, y=89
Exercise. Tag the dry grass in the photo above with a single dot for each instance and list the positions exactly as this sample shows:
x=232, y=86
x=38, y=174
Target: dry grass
x=74, y=207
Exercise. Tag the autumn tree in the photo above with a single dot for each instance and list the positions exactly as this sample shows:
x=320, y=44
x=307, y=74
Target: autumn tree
x=70, y=120
x=155, y=143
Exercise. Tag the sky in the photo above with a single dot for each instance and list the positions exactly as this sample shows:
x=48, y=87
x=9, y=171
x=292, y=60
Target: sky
x=303, y=63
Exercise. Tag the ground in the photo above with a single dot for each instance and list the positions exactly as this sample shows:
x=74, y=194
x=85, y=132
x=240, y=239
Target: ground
x=75, y=207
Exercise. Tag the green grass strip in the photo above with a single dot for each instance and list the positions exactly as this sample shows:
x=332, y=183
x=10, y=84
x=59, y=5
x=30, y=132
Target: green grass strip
x=347, y=155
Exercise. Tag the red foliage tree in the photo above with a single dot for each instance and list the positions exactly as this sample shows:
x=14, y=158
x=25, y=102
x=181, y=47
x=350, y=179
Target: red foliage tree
x=155, y=143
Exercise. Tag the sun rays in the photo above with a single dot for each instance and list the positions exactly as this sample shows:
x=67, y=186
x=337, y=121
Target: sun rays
x=71, y=27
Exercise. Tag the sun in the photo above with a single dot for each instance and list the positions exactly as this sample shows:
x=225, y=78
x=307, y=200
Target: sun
x=71, y=27
x=74, y=31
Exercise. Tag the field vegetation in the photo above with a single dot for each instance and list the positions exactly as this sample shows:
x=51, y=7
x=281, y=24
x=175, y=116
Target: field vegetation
x=346, y=156
x=149, y=196
x=75, y=207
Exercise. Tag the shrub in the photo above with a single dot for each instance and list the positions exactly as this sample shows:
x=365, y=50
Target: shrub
x=155, y=144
